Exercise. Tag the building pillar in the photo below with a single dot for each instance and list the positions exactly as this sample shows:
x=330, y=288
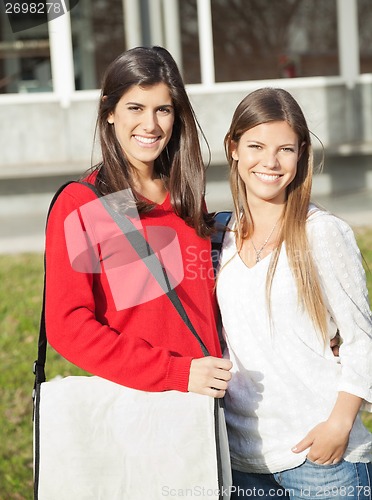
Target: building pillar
x=206, y=42
x=156, y=22
x=172, y=30
x=132, y=23
x=61, y=58
x=348, y=41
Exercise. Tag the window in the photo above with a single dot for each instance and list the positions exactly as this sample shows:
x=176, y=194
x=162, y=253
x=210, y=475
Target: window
x=365, y=35
x=262, y=39
x=266, y=39
x=190, y=41
x=24, y=55
x=97, y=28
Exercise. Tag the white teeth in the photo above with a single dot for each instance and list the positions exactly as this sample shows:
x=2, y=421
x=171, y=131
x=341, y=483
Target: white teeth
x=146, y=140
x=267, y=177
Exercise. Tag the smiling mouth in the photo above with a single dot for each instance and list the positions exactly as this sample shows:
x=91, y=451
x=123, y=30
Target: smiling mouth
x=146, y=140
x=267, y=177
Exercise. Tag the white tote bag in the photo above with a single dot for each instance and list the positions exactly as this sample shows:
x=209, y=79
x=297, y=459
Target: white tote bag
x=97, y=440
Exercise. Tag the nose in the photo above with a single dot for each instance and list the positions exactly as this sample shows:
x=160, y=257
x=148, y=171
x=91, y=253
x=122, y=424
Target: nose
x=150, y=122
x=270, y=160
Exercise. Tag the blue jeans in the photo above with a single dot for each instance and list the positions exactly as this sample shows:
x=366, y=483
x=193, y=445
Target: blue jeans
x=309, y=481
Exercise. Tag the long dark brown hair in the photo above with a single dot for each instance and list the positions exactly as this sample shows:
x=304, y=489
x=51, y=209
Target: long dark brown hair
x=263, y=106
x=180, y=164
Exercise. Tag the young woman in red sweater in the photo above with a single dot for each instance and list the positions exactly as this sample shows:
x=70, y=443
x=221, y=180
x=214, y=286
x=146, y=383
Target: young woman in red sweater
x=98, y=315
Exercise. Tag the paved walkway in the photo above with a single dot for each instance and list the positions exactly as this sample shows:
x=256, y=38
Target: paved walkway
x=24, y=232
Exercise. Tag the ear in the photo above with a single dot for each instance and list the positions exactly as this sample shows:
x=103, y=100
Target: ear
x=234, y=150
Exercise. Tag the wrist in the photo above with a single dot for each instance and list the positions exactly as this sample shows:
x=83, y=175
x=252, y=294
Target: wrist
x=342, y=423
x=345, y=411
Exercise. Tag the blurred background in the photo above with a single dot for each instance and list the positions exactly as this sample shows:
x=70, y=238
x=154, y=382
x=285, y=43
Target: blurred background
x=50, y=74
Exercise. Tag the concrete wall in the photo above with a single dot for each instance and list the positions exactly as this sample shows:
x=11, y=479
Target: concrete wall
x=40, y=138
x=340, y=117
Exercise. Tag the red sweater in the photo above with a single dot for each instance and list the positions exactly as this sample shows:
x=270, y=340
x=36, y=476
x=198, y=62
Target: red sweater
x=92, y=318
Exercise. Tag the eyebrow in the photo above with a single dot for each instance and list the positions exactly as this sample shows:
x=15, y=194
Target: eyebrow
x=169, y=105
x=263, y=144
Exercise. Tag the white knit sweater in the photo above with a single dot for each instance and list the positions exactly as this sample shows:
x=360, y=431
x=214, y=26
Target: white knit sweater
x=284, y=380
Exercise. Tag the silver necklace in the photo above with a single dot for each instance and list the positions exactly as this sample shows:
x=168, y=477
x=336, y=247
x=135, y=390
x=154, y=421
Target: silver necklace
x=258, y=252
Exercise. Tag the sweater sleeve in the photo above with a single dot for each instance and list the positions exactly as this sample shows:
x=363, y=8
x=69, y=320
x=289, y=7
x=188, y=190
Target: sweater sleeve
x=103, y=347
x=338, y=260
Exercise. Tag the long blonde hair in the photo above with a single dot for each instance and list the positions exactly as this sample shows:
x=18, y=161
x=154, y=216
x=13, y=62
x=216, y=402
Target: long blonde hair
x=262, y=106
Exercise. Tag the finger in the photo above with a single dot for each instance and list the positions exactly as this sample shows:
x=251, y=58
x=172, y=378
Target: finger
x=215, y=393
x=222, y=375
x=335, y=343
x=336, y=350
x=322, y=460
x=323, y=457
x=335, y=346
x=218, y=384
x=223, y=364
x=303, y=445
x=330, y=462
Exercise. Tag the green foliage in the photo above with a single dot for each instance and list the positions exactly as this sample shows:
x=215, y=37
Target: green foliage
x=21, y=278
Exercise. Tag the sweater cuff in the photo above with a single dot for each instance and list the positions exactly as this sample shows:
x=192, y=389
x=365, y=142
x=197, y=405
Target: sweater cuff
x=178, y=373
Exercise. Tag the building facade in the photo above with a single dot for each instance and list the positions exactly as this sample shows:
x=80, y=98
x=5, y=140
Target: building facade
x=51, y=68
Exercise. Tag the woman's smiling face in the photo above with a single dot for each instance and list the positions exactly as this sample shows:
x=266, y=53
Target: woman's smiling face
x=143, y=120
x=267, y=158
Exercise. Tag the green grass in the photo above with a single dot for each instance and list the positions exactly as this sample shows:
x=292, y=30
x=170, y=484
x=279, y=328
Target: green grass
x=364, y=238
x=21, y=279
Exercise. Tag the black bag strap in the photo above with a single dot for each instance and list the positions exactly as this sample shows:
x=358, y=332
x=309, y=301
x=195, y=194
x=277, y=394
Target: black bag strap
x=222, y=220
x=145, y=252
x=39, y=364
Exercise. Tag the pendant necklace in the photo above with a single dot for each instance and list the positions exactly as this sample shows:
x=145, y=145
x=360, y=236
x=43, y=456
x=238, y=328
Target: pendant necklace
x=258, y=252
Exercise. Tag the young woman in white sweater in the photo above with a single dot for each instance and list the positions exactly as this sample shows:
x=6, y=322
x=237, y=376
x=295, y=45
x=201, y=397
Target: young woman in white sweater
x=290, y=277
